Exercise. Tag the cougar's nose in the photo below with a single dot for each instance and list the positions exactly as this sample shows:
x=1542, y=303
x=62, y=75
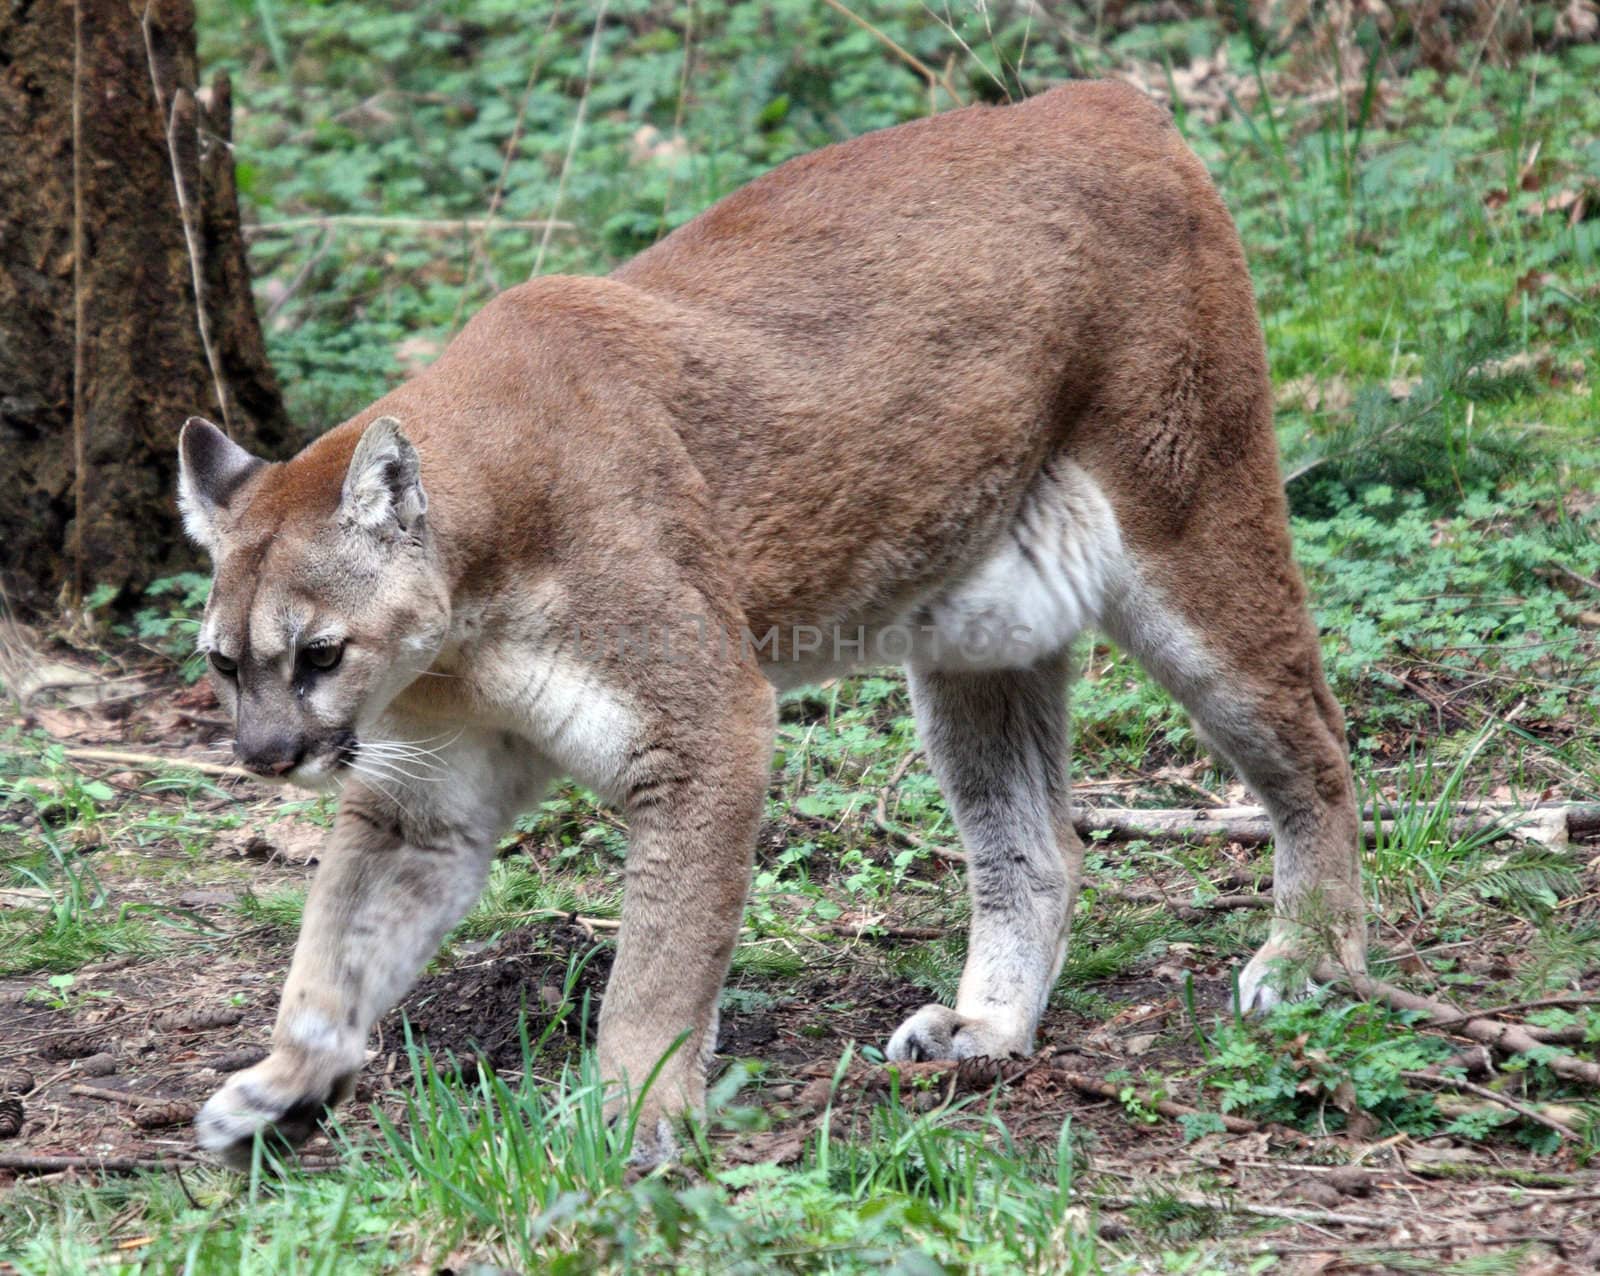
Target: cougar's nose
x=274, y=755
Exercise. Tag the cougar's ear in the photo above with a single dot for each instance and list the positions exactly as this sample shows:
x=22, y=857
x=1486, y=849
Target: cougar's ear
x=383, y=487
x=210, y=468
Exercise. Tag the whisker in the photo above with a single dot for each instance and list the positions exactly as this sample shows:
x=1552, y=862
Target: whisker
x=392, y=767
x=389, y=787
x=429, y=739
x=400, y=748
x=399, y=761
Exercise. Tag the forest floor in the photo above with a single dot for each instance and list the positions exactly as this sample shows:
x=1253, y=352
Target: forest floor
x=1424, y=243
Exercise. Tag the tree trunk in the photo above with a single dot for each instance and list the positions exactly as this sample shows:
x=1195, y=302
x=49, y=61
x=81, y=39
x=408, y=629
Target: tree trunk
x=116, y=197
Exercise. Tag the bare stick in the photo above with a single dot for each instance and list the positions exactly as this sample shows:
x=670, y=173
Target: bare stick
x=1292, y=1214
x=1319, y=461
x=1096, y=1087
x=49, y=1163
x=881, y=819
x=153, y=761
x=1494, y=1096
x=879, y=930
x=1510, y=1037
x=183, y=112
x=80, y=440
x=422, y=225
x=572, y=141
x=116, y=1096
x=43, y=1163
x=910, y=59
x=1515, y=1006
x=487, y=224
x=1219, y=904
x=974, y=1074
x=1250, y=825
x=1384, y=1247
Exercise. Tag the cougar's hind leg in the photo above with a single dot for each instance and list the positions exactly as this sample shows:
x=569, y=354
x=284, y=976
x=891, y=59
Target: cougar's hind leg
x=997, y=742
x=1225, y=628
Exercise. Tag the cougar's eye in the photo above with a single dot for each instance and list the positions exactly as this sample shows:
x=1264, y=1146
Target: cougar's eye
x=324, y=655
x=223, y=665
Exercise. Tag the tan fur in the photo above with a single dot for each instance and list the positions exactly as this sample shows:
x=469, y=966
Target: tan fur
x=872, y=389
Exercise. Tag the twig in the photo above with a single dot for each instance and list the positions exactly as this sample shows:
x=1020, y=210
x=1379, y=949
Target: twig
x=152, y=761
x=1578, y=577
x=572, y=141
x=881, y=820
x=1514, y=1006
x=424, y=225
x=1251, y=826
x=43, y=1163
x=1292, y=1214
x=1095, y=1087
x=1384, y=1247
x=564, y=915
x=115, y=1096
x=1317, y=462
x=80, y=441
x=1534, y=1198
x=910, y=59
x=880, y=930
x=1505, y=1036
x=300, y=277
x=183, y=110
x=1190, y=912
x=1494, y=1096
x=979, y=1073
x=677, y=114
x=478, y=249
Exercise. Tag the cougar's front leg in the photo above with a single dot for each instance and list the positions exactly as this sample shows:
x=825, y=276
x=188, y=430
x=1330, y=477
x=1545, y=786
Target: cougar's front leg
x=402, y=867
x=693, y=798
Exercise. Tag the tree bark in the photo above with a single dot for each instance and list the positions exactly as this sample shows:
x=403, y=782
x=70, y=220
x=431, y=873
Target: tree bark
x=117, y=205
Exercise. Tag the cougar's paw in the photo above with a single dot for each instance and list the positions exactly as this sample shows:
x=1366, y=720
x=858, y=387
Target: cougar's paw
x=1281, y=970
x=937, y=1032
x=1277, y=973
x=267, y=1098
x=654, y=1142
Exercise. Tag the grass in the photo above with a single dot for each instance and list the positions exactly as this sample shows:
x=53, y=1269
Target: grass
x=1432, y=329
x=530, y=1172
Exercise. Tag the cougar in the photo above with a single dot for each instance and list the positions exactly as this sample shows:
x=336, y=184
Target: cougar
x=943, y=396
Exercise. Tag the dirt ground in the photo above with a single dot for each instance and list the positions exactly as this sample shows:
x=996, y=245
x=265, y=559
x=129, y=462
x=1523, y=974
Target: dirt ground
x=116, y=1071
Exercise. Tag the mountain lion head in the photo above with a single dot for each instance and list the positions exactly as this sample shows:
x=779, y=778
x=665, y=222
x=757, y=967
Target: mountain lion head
x=326, y=599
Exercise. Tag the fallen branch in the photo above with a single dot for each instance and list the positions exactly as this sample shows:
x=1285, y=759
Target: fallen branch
x=1096, y=1087
x=979, y=1074
x=1494, y=1096
x=1384, y=1247
x=880, y=930
x=422, y=225
x=1189, y=912
x=47, y=1163
x=42, y=1163
x=1510, y=1037
x=1540, y=1003
x=1251, y=826
x=1289, y=1213
x=154, y=761
x=565, y=915
x=881, y=820
x=115, y=1096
